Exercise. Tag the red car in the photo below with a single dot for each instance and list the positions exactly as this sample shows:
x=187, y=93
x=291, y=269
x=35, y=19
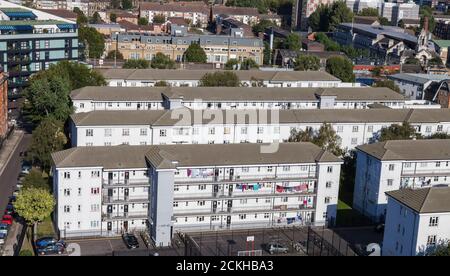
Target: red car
x=7, y=219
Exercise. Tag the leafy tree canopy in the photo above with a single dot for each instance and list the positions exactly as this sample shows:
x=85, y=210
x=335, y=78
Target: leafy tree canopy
x=114, y=54
x=326, y=138
x=195, y=53
x=136, y=64
x=368, y=12
x=387, y=83
x=307, y=63
x=94, y=41
x=161, y=61
x=227, y=79
x=34, y=204
x=399, y=132
x=35, y=180
x=341, y=68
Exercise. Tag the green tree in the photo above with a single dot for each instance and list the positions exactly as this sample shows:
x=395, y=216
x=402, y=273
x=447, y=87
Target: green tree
x=435, y=61
x=326, y=138
x=412, y=61
x=78, y=74
x=142, y=21
x=35, y=180
x=161, y=61
x=267, y=55
x=195, y=53
x=96, y=19
x=114, y=54
x=307, y=63
x=48, y=97
x=326, y=17
x=232, y=64
x=341, y=68
x=127, y=4
x=94, y=41
x=224, y=79
x=136, y=64
x=249, y=64
x=368, y=12
x=439, y=135
x=384, y=21
x=329, y=44
x=387, y=83
x=399, y=132
x=34, y=205
x=25, y=253
x=292, y=42
x=426, y=12
x=113, y=17
x=161, y=84
x=48, y=137
x=440, y=250
x=159, y=19
x=262, y=25
x=263, y=6
x=81, y=17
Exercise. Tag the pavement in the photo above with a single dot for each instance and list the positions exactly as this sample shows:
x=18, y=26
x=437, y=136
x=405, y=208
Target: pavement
x=12, y=241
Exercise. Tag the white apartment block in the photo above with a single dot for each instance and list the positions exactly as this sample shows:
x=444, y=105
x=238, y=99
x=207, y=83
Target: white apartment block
x=416, y=221
x=248, y=78
x=415, y=86
x=104, y=191
x=226, y=98
x=393, y=165
x=183, y=126
x=395, y=12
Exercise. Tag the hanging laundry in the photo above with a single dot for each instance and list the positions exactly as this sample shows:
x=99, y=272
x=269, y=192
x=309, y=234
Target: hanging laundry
x=256, y=187
x=279, y=189
x=189, y=172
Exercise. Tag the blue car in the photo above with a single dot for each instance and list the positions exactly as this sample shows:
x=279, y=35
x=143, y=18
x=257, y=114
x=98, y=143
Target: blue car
x=55, y=248
x=47, y=241
x=3, y=228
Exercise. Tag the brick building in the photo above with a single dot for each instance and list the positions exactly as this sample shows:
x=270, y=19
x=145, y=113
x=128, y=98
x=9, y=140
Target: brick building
x=3, y=104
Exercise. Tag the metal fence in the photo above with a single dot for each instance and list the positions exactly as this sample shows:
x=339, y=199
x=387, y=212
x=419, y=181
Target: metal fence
x=325, y=242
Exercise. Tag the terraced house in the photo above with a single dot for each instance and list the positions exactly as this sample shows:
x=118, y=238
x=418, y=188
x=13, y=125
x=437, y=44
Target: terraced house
x=185, y=188
x=219, y=48
x=31, y=40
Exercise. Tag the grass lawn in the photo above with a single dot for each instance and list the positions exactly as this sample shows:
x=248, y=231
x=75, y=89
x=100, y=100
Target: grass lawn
x=27, y=246
x=347, y=217
x=45, y=228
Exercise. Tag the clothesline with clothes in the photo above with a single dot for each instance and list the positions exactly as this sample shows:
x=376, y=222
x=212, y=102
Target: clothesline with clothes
x=304, y=187
x=197, y=173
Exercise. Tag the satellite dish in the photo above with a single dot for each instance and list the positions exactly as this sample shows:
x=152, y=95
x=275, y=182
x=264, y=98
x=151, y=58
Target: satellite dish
x=373, y=249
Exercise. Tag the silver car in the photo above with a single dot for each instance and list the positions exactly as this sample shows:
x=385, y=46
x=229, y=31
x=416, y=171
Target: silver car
x=276, y=248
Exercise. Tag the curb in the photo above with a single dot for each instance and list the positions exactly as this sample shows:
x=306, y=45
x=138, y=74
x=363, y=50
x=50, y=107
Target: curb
x=22, y=134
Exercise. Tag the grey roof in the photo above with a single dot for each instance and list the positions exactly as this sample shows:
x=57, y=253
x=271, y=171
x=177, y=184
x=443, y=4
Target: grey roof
x=427, y=149
x=427, y=200
x=389, y=31
x=161, y=74
x=163, y=156
x=419, y=78
x=313, y=116
x=234, y=94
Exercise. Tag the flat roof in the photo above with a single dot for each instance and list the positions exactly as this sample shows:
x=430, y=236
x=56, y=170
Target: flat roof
x=427, y=149
x=427, y=200
x=167, y=74
x=164, y=156
x=237, y=116
x=104, y=93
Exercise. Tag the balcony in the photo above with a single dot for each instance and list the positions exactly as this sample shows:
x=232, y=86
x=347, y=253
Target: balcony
x=17, y=60
x=125, y=216
x=126, y=182
x=18, y=49
x=124, y=199
x=16, y=73
x=243, y=178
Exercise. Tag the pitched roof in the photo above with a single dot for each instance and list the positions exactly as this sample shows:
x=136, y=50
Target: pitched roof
x=171, y=156
x=167, y=74
x=419, y=78
x=237, y=116
x=235, y=94
x=61, y=13
x=427, y=200
x=175, y=7
x=220, y=9
x=428, y=149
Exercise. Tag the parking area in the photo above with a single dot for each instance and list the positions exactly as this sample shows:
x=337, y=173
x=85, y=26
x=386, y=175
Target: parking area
x=291, y=241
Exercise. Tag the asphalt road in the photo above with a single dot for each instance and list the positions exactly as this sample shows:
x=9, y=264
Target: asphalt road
x=8, y=179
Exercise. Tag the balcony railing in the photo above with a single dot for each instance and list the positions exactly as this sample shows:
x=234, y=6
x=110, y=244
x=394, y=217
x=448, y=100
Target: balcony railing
x=125, y=215
x=127, y=182
x=243, y=178
x=125, y=199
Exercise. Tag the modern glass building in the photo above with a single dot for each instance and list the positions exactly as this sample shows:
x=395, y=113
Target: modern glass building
x=31, y=40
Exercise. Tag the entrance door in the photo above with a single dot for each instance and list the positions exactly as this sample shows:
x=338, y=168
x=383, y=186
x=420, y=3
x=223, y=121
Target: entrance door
x=125, y=209
x=126, y=193
x=110, y=178
x=127, y=177
x=214, y=206
x=109, y=226
x=230, y=189
x=228, y=221
x=109, y=209
x=125, y=226
x=231, y=174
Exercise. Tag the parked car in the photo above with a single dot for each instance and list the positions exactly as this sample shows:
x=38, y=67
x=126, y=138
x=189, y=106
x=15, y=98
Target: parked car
x=7, y=219
x=275, y=247
x=16, y=193
x=3, y=228
x=26, y=168
x=2, y=238
x=9, y=210
x=47, y=241
x=12, y=199
x=130, y=241
x=55, y=248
